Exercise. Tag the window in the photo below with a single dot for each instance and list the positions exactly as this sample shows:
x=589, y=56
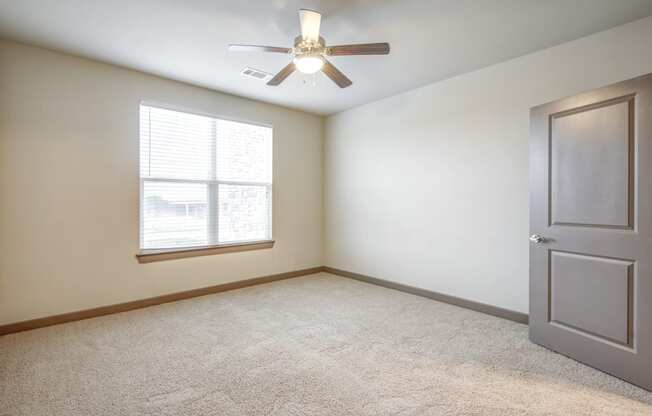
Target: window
x=204, y=181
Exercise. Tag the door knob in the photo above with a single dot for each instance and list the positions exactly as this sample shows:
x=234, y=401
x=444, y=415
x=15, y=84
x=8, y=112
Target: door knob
x=537, y=239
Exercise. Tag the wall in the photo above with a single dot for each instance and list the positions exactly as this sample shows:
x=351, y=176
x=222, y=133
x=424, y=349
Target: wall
x=427, y=188
x=430, y=188
x=69, y=187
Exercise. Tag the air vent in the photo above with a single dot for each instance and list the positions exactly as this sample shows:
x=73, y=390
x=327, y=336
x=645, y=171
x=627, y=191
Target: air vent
x=256, y=74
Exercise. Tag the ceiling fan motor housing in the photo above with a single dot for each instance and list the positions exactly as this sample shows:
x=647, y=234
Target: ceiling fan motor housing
x=308, y=47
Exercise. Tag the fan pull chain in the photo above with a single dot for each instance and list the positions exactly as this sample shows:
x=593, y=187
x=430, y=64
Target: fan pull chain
x=310, y=80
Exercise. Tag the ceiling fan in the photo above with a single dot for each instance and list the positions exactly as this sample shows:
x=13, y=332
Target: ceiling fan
x=310, y=52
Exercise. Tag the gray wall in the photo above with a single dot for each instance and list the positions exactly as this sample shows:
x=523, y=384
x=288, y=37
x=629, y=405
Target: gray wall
x=430, y=188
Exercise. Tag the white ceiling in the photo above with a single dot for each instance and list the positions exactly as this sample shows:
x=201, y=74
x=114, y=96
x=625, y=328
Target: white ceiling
x=430, y=39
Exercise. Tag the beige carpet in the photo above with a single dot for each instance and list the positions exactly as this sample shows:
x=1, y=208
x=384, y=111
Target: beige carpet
x=317, y=345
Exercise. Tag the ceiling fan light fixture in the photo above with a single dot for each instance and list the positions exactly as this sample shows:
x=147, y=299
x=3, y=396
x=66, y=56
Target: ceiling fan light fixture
x=309, y=64
x=310, y=52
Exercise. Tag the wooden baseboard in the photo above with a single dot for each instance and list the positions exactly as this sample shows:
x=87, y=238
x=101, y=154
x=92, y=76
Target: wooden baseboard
x=143, y=303
x=519, y=317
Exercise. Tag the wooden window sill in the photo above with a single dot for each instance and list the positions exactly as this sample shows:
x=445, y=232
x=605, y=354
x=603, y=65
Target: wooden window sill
x=149, y=256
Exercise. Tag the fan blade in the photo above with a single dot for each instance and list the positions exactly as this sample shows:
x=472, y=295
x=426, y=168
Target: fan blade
x=360, y=49
x=310, y=21
x=257, y=48
x=283, y=73
x=333, y=73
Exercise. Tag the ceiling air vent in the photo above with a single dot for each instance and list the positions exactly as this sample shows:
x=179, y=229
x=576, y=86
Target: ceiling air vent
x=256, y=74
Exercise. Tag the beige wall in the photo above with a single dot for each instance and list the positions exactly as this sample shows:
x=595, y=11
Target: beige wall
x=69, y=186
x=427, y=188
x=430, y=188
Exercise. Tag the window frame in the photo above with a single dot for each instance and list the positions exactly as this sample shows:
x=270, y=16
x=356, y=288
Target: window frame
x=146, y=255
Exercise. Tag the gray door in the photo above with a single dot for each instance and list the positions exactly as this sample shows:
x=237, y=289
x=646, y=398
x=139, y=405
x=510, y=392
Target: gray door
x=591, y=228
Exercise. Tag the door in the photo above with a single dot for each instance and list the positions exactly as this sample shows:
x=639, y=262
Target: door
x=591, y=228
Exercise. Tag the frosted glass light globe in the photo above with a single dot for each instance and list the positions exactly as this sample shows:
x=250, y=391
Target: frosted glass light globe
x=308, y=64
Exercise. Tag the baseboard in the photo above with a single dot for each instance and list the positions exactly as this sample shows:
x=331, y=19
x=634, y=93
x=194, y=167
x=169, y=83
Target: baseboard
x=143, y=303
x=519, y=317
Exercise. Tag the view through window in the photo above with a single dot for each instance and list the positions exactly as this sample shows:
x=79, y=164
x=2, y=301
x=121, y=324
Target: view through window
x=204, y=181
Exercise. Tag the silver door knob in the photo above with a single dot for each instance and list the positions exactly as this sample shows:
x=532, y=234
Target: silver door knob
x=537, y=239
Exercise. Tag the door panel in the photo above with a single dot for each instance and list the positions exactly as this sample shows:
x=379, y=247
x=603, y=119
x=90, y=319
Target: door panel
x=590, y=165
x=591, y=202
x=604, y=285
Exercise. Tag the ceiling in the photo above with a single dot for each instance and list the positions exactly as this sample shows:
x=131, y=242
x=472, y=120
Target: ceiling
x=431, y=40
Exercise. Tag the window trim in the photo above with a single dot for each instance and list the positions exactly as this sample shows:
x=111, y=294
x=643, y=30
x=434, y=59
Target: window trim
x=160, y=254
x=182, y=109
x=154, y=255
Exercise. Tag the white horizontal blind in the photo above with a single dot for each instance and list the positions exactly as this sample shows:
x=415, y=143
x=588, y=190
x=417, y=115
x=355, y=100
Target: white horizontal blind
x=204, y=181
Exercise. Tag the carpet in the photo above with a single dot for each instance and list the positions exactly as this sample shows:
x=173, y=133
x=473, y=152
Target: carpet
x=315, y=345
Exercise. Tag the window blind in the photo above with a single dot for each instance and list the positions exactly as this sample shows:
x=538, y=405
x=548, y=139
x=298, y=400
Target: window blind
x=204, y=181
